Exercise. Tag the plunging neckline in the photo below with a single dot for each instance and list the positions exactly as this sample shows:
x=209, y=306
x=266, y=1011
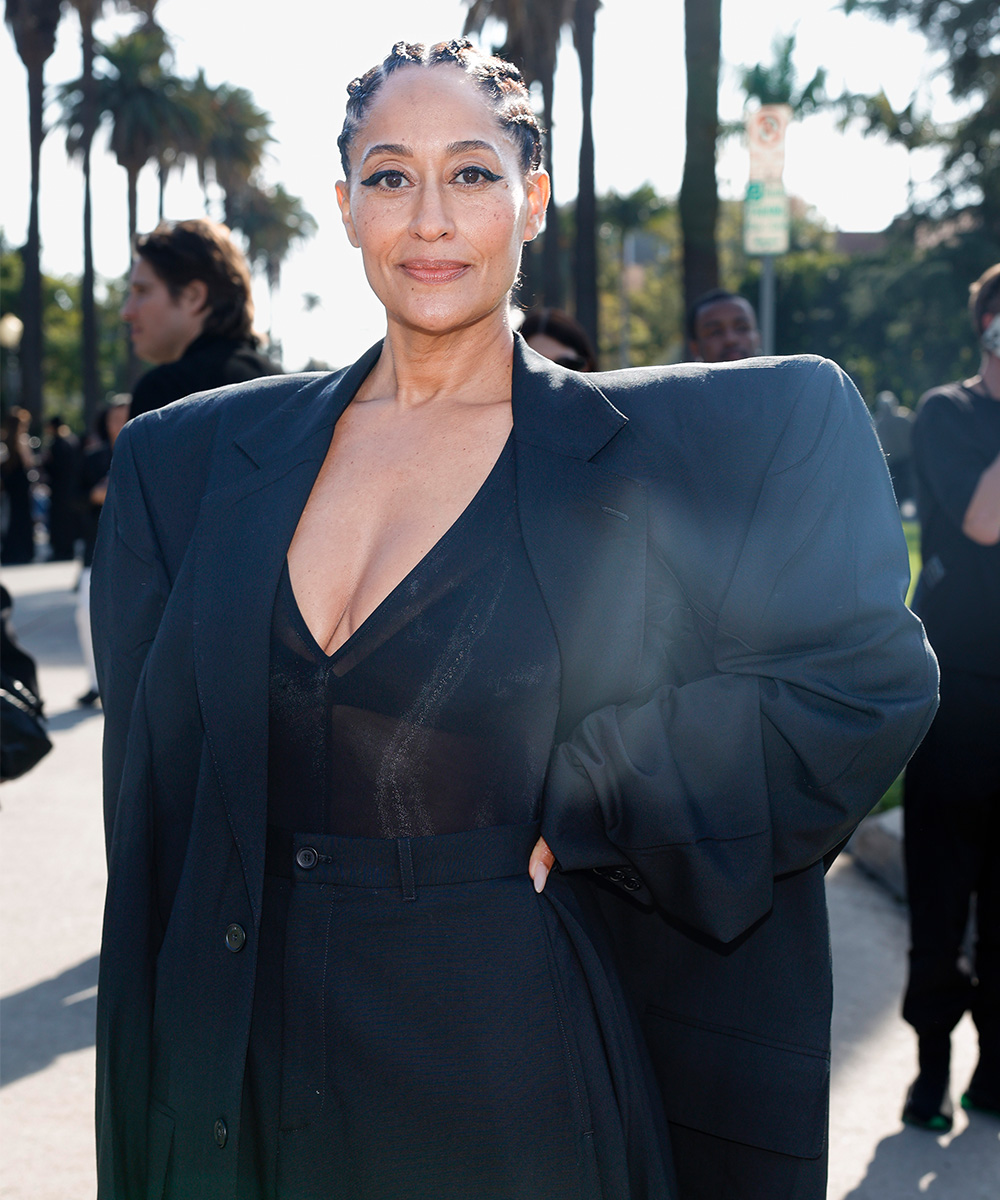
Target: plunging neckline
x=351, y=650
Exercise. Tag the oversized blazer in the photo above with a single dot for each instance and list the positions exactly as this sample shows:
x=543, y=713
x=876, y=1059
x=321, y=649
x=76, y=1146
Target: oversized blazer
x=722, y=561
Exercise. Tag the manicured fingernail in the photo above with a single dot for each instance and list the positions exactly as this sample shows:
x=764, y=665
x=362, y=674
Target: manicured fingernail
x=539, y=874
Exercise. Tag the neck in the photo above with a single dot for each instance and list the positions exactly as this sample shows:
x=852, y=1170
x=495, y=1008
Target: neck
x=989, y=375
x=466, y=366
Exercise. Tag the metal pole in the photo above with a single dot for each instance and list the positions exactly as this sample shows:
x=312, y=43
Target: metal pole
x=767, y=303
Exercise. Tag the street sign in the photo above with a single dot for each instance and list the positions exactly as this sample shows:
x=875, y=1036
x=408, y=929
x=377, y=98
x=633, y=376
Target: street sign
x=765, y=219
x=766, y=137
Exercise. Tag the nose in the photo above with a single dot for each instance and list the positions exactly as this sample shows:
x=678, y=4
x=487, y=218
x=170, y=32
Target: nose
x=125, y=312
x=431, y=219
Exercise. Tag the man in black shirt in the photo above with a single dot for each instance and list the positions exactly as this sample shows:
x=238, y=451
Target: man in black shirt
x=952, y=788
x=190, y=312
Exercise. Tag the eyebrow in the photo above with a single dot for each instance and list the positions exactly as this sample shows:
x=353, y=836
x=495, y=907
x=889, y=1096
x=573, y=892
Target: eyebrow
x=402, y=151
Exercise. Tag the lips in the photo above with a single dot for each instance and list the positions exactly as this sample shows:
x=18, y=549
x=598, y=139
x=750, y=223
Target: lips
x=434, y=270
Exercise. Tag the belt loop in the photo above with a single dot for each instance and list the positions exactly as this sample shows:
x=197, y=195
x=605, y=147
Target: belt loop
x=406, y=868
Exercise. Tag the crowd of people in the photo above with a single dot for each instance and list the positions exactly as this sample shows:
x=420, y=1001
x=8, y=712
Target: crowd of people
x=479, y=725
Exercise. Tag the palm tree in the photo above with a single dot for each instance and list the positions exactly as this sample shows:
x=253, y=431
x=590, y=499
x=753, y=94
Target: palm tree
x=238, y=135
x=140, y=101
x=699, y=198
x=78, y=144
x=271, y=220
x=33, y=24
x=585, y=255
x=533, y=31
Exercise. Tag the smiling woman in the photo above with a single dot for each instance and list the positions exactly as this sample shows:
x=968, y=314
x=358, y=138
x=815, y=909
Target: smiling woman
x=477, y=729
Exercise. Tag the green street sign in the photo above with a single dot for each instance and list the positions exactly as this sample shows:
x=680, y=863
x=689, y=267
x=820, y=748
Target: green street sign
x=765, y=218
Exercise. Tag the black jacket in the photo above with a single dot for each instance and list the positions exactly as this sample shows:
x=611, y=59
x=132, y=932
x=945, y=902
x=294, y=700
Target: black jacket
x=209, y=362
x=722, y=560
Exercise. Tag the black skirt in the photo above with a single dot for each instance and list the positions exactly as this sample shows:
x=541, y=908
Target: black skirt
x=426, y=1027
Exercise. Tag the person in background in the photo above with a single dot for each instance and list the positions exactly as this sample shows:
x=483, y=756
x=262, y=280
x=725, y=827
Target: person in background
x=894, y=426
x=951, y=792
x=17, y=474
x=559, y=337
x=61, y=462
x=190, y=312
x=92, y=488
x=722, y=327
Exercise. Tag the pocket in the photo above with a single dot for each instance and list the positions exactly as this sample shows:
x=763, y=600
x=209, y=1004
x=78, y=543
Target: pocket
x=740, y=1087
x=161, y=1146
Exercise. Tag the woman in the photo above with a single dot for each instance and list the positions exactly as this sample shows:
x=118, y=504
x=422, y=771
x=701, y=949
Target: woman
x=360, y=634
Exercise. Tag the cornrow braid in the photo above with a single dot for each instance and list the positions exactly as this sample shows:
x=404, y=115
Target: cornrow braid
x=500, y=81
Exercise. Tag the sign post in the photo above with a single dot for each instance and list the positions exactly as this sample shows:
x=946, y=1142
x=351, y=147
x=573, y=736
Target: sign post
x=765, y=208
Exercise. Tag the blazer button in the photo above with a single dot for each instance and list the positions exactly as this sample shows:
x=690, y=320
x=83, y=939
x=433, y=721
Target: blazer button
x=236, y=938
x=221, y=1133
x=307, y=858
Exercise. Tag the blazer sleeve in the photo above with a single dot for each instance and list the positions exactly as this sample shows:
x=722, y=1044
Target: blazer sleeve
x=822, y=685
x=128, y=592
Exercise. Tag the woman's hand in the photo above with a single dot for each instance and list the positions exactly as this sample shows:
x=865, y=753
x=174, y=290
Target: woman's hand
x=541, y=862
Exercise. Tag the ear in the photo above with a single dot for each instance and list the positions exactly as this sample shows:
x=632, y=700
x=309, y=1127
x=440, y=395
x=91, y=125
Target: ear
x=194, y=295
x=344, y=202
x=694, y=350
x=537, y=191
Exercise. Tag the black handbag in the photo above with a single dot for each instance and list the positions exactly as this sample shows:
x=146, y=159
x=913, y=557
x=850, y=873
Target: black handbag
x=23, y=740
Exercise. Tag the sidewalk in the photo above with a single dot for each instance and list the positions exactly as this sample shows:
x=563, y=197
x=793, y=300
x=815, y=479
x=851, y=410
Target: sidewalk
x=51, y=893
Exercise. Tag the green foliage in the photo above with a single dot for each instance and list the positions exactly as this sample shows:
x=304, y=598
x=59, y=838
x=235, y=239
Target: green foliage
x=967, y=33
x=895, y=321
x=62, y=336
x=778, y=83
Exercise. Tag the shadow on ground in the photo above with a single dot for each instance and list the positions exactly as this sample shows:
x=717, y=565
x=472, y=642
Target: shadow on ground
x=69, y=718
x=54, y=1017
x=914, y=1162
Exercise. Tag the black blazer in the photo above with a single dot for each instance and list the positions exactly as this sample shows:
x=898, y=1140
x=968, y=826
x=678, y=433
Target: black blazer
x=722, y=560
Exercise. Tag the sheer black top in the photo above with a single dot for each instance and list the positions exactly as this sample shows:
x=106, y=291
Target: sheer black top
x=437, y=715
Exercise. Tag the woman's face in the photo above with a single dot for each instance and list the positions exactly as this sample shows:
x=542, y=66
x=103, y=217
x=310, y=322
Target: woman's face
x=437, y=201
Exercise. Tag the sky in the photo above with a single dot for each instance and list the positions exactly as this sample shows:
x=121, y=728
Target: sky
x=297, y=57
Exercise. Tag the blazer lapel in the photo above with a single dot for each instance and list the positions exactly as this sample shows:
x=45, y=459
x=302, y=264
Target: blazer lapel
x=584, y=528
x=244, y=530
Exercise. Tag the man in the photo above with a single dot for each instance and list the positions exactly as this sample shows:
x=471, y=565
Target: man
x=190, y=312
x=722, y=327
x=952, y=789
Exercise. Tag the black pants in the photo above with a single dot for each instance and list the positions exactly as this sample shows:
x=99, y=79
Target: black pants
x=952, y=848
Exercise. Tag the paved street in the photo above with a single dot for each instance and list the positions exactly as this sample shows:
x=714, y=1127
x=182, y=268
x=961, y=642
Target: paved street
x=51, y=890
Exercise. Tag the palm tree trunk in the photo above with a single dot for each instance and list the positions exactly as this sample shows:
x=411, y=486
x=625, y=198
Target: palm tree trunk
x=31, y=294
x=91, y=387
x=699, y=198
x=585, y=257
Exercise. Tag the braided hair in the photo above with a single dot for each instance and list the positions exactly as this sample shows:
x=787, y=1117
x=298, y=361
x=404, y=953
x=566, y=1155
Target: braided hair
x=499, y=81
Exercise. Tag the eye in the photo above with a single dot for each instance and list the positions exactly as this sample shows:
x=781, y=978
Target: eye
x=470, y=176
x=391, y=180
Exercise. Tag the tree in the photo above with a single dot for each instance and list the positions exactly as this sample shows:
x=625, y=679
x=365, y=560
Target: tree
x=271, y=220
x=967, y=34
x=778, y=82
x=78, y=144
x=699, y=196
x=33, y=24
x=238, y=137
x=139, y=100
x=585, y=238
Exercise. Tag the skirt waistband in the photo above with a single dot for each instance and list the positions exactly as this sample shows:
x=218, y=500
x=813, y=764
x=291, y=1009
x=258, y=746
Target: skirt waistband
x=405, y=863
